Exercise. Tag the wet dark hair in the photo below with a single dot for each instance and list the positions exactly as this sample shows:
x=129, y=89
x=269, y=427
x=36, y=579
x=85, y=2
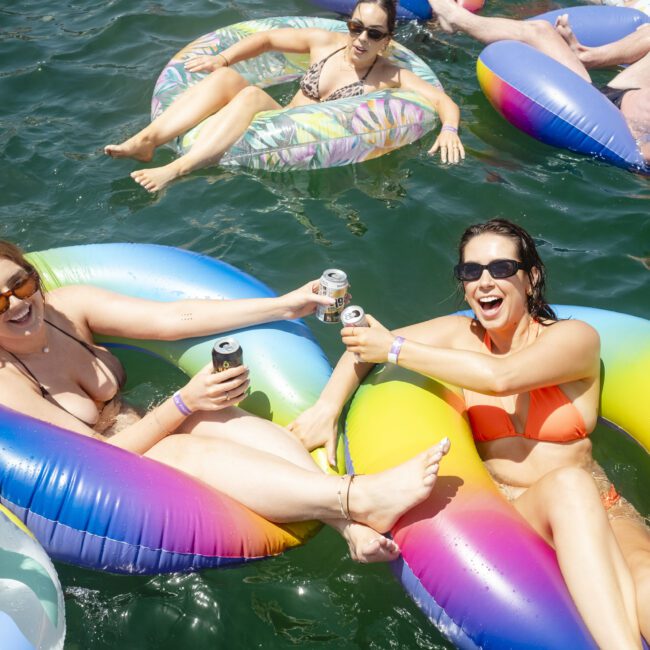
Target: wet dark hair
x=9, y=251
x=389, y=7
x=538, y=308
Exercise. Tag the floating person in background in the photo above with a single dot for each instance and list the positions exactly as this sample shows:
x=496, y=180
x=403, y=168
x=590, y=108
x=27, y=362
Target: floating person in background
x=532, y=387
x=341, y=66
x=629, y=90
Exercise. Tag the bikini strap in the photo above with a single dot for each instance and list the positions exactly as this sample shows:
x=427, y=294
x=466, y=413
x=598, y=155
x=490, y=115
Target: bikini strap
x=369, y=69
x=73, y=337
x=23, y=365
x=331, y=54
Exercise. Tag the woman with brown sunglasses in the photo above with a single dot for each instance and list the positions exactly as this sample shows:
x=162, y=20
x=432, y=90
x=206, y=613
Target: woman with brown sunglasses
x=51, y=369
x=532, y=385
x=341, y=66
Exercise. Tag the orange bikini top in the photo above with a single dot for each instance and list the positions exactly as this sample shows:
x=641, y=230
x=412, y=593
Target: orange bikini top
x=552, y=416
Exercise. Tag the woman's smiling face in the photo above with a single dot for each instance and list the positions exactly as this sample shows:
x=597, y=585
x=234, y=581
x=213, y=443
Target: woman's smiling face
x=369, y=16
x=24, y=316
x=497, y=303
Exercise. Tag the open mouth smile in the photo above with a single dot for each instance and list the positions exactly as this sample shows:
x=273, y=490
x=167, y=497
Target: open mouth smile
x=490, y=304
x=21, y=315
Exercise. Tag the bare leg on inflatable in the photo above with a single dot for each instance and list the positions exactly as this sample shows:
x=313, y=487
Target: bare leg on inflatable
x=196, y=104
x=634, y=540
x=625, y=51
x=536, y=33
x=217, y=134
x=267, y=469
x=565, y=508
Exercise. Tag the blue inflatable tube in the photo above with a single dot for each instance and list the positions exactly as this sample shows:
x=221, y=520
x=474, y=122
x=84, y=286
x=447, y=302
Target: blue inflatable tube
x=406, y=9
x=92, y=504
x=598, y=25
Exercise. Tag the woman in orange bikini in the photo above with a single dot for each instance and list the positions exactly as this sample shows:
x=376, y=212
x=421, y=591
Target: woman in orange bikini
x=531, y=385
x=341, y=66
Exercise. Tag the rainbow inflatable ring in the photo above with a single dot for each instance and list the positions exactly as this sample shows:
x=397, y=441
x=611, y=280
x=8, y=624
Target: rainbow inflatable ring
x=32, y=614
x=329, y=134
x=550, y=102
x=97, y=506
x=406, y=9
x=469, y=560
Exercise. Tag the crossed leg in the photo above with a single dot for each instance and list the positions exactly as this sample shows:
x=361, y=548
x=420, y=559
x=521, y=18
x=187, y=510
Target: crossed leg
x=536, y=33
x=227, y=103
x=197, y=103
x=268, y=470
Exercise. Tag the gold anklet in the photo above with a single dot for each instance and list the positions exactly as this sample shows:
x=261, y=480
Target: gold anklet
x=345, y=510
x=347, y=496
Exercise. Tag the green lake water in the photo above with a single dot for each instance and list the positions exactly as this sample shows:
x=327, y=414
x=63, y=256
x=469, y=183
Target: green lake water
x=77, y=74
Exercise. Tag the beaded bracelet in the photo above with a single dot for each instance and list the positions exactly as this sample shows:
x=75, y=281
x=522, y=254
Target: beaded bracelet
x=449, y=127
x=393, y=354
x=180, y=404
x=223, y=56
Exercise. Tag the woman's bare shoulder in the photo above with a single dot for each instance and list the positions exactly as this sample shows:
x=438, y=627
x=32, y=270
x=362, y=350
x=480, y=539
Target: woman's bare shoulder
x=572, y=329
x=70, y=300
x=324, y=38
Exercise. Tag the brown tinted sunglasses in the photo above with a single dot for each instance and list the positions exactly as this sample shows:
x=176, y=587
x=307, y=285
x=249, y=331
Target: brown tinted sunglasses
x=23, y=288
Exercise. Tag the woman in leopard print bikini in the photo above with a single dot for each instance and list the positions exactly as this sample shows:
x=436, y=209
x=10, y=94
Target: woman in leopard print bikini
x=342, y=66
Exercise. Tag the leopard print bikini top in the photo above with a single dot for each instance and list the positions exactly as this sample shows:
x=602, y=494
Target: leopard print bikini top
x=310, y=81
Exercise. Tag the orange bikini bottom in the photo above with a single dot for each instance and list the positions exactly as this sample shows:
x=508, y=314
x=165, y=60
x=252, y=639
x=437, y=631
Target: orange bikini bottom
x=610, y=498
x=615, y=505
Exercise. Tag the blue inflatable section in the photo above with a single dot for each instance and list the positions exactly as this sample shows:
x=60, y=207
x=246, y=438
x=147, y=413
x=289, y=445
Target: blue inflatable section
x=597, y=25
x=551, y=103
x=406, y=9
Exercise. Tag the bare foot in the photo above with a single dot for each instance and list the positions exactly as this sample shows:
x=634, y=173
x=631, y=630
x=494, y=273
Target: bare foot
x=445, y=11
x=563, y=28
x=156, y=178
x=379, y=500
x=137, y=147
x=367, y=545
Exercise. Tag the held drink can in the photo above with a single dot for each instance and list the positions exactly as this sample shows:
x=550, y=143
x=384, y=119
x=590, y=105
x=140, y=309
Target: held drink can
x=226, y=353
x=333, y=283
x=354, y=316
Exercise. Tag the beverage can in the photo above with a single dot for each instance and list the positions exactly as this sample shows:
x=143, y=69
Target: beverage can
x=354, y=316
x=227, y=353
x=334, y=284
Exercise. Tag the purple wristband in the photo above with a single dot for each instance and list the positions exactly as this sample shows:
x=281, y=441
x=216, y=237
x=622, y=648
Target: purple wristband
x=393, y=354
x=180, y=404
x=448, y=127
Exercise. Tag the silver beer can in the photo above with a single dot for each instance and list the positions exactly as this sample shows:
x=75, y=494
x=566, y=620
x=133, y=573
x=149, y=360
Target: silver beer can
x=334, y=284
x=354, y=316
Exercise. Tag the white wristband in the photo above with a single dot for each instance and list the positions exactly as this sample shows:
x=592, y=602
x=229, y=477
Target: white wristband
x=395, y=348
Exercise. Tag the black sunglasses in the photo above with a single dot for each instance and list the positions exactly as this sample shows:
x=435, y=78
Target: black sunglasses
x=356, y=29
x=498, y=269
